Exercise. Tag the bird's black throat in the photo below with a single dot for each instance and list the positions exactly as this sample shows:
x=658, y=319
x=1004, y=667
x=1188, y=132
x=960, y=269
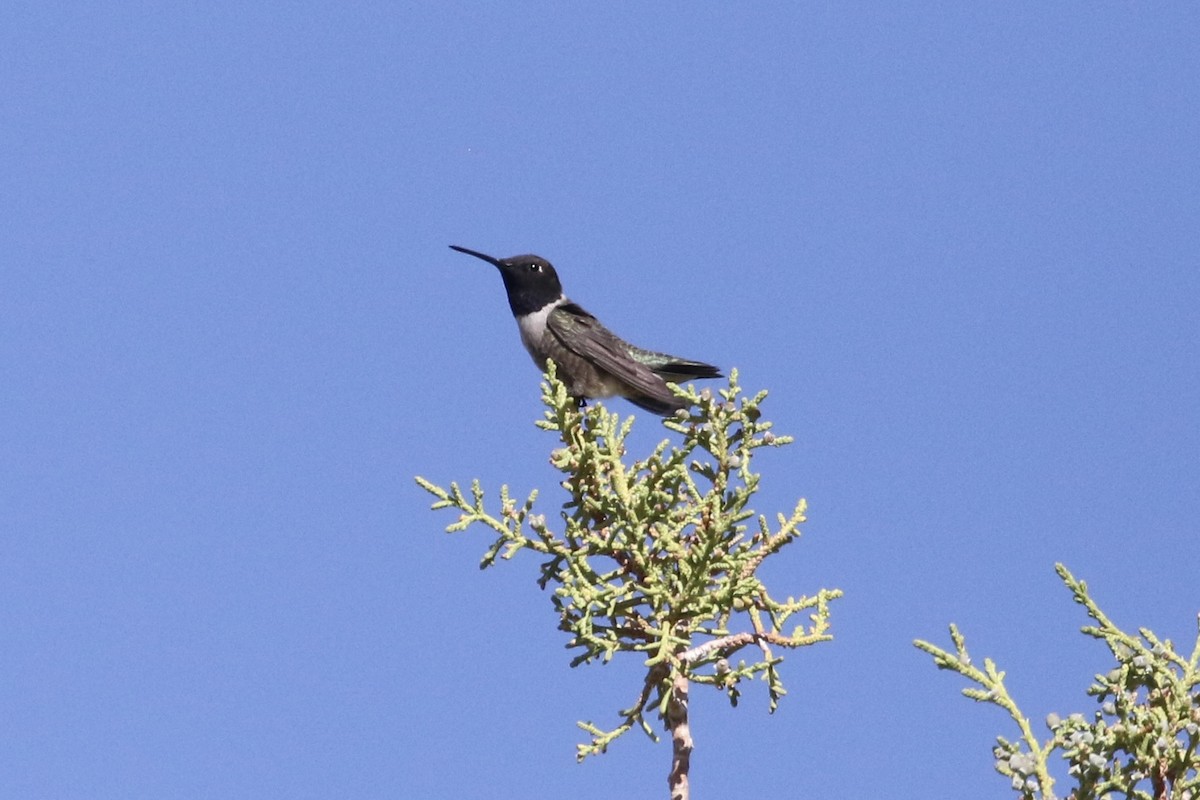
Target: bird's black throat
x=526, y=296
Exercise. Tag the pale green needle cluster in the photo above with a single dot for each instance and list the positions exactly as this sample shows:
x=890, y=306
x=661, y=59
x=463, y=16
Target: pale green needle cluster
x=1144, y=740
x=658, y=556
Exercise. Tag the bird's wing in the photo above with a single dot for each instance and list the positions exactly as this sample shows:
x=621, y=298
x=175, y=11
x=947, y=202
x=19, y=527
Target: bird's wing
x=582, y=334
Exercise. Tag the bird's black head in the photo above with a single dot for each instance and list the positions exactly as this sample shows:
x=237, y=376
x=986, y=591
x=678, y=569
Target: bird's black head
x=530, y=281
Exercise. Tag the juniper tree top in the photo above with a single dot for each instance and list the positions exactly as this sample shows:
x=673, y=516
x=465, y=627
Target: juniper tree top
x=658, y=556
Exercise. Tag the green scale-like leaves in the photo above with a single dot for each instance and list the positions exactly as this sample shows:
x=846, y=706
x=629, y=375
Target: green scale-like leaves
x=656, y=556
x=1142, y=743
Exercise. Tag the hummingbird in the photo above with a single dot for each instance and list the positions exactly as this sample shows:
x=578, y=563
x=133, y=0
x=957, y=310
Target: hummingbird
x=591, y=360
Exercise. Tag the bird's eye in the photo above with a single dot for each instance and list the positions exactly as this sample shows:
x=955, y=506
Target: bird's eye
x=535, y=267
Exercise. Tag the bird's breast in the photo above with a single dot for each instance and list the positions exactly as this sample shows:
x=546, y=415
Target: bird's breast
x=583, y=378
x=533, y=332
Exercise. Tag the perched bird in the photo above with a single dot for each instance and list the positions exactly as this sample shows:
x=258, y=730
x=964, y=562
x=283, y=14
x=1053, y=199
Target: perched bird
x=592, y=361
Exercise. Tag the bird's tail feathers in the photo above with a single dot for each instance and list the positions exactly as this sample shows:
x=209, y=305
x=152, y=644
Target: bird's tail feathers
x=657, y=405
x=679, y=370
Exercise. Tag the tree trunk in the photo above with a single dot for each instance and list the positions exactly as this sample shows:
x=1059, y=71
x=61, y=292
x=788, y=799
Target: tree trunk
x=681, y=737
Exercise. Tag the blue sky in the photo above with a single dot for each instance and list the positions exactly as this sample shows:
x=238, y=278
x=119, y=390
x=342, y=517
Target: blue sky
x=957, y=242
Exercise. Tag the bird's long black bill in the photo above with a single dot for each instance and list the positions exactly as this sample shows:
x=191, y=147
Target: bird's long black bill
x=495, y=262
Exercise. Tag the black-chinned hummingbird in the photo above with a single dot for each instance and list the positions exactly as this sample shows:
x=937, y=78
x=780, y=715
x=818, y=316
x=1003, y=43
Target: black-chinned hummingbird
x=592, y=361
